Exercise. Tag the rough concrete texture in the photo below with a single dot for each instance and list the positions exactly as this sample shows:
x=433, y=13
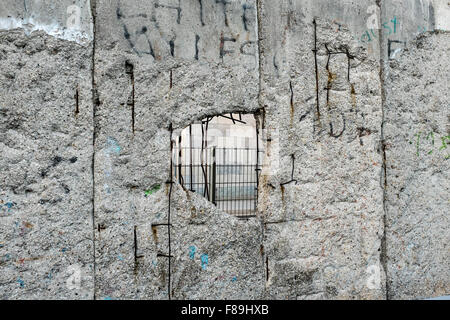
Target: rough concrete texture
x=88, y=112
x=165, y=73
x=322, y=232
x=417, y=131
x=45, y=167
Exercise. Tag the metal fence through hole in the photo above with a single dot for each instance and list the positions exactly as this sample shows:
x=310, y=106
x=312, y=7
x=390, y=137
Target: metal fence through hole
x=228, y=177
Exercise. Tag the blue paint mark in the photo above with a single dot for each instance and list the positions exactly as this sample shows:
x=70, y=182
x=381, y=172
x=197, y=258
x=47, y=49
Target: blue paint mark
x=120, y=257
x=20, y=282
x=107, y=298
x=113, y=146
x=64, y=249
x=154, y=263
x=204, y=259
x=192, y=252
x=9, y=205
x=421, y=29
x=234, y=279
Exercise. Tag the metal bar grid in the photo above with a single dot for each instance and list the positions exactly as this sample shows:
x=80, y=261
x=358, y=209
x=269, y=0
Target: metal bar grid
x=228, y=177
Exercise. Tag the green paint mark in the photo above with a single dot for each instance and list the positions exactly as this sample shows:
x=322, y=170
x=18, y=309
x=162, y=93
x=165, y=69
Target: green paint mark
x=152, y=190
x=418, y=142
x=432, y=140
x=373, y=34
x=387, y=27
x=445, y=140
x=432, y=137
x=444, y=143
x=395, y=24
x=366, y=33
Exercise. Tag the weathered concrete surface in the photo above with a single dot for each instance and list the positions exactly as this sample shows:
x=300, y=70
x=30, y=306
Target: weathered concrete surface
x=218, y=256
x=323, y=231
x=45, y=167
x=401, y=22
x=158, y=66
x=64, y=19
x=441, y=12
x=416, y=134
x=335, y=231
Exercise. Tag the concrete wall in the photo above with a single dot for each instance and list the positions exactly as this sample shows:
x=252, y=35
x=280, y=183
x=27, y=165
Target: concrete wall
x=416, y=132
x=346, y=93
x=46, y=164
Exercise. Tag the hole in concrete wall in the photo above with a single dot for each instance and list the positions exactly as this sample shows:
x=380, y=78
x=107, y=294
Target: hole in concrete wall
x=220, y=158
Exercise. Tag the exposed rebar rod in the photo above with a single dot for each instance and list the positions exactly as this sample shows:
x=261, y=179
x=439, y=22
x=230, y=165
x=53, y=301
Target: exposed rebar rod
x=317, y=70
x=168, y=214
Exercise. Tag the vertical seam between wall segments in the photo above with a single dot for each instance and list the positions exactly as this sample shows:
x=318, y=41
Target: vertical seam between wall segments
x=383, y=178
x=94, y=135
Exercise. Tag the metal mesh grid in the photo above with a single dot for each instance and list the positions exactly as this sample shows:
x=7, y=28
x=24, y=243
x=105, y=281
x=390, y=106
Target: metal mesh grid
x=228, y=177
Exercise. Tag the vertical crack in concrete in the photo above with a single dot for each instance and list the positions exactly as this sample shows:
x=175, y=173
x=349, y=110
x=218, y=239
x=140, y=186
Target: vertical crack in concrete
x=136, y=255
x=95, y=103
x=330, y=77
x=383, y=173
x=135, y=251
x=201, y=12
x=169, y=255
x=197, y=39
x=349, y=57
x=129, y=69
x=291, y=100
x=260, y=120
x=258, y=169
x=259, y=31
x=317, y=71
x=77, y=101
